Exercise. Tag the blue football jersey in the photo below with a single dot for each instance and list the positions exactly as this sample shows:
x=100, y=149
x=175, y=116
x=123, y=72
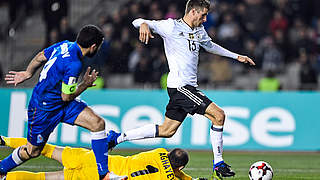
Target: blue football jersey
x=63, y=65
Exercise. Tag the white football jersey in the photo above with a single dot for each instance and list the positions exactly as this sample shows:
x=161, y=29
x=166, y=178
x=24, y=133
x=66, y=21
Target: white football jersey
x=182, y=45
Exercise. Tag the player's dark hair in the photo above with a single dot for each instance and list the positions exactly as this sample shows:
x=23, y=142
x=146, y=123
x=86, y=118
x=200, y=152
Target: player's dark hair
x=89, y=35
x=178, y=157
x=197, y=4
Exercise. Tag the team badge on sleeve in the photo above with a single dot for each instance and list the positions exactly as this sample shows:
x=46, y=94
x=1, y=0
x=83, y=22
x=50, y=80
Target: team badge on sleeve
x=72, y=80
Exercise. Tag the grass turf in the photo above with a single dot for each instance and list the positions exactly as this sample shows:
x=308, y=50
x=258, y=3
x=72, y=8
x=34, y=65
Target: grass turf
x=286, y=165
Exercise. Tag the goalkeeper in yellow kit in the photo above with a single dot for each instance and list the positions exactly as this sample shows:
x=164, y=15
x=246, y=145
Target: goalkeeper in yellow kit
x=79, y=163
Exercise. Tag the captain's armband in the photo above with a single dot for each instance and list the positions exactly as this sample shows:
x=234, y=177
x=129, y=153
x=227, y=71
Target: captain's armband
x=69, y=89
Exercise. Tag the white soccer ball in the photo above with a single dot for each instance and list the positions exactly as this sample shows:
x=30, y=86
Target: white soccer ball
x=260, y=170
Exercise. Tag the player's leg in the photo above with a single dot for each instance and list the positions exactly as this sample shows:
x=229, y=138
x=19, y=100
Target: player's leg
x=175, y=115
x=173, y=119
x=40, y=125
x=30, y=151
x=54, y=175
x=19, y=156
x=26, y=175
x=12, y=142
x=166, y=130
x=193, y=101
x=17, y=142
x=146, y=131
x=79, y=114
x=217, y=117
x=55, y=153
x=80, y=163
x=50, y=151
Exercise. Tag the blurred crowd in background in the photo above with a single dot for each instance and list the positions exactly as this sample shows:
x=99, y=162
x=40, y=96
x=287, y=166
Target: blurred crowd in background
x=281, y=36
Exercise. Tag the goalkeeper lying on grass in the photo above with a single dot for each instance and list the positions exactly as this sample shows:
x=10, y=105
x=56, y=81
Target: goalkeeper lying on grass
x=79, y=163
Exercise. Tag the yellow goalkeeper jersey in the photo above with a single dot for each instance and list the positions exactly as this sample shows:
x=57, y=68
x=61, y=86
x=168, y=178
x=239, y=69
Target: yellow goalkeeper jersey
x=80, y=164
x=152, y=164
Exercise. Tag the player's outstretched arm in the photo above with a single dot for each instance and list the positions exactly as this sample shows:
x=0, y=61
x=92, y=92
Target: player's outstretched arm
x=17, y=77
x=219, y=50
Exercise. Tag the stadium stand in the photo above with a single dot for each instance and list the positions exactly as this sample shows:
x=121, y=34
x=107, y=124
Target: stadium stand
x=280, y=35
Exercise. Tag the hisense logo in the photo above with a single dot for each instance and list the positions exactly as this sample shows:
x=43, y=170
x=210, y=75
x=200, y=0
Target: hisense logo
x=273, y=127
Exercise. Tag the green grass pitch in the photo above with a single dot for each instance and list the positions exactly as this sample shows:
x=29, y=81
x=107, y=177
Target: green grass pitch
x=286, y=165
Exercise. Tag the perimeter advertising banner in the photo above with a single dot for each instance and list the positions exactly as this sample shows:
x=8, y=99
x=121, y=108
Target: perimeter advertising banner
x=255, y=121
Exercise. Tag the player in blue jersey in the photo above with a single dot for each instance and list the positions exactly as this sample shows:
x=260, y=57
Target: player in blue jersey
x=54, y=99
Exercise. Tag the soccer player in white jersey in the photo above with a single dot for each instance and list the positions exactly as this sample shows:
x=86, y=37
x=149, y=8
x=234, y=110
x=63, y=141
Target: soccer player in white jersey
x=182, y=41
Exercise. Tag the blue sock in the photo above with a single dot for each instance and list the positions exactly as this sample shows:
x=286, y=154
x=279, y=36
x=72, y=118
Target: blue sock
x=100, y=149
x=11, y=161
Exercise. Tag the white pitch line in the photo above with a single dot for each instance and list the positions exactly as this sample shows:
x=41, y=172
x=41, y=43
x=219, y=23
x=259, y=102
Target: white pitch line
x=243, y=169
x=189, y=169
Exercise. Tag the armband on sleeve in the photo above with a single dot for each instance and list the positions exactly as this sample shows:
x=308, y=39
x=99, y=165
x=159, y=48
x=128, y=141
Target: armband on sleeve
x=69, y=89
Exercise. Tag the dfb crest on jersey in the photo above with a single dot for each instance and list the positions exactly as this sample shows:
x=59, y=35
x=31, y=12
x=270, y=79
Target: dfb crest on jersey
x=191, y=36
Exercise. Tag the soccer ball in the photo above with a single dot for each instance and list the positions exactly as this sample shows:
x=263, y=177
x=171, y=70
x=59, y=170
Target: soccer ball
x=260, y=170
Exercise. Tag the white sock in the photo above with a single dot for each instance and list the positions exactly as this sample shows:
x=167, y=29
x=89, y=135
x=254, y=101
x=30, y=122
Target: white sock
x=217, y=142
x=98, y=135
x=16, y=157
x=147, y=131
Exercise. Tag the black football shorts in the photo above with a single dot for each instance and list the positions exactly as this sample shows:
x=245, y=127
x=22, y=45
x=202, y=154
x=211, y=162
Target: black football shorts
x=184, y=100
